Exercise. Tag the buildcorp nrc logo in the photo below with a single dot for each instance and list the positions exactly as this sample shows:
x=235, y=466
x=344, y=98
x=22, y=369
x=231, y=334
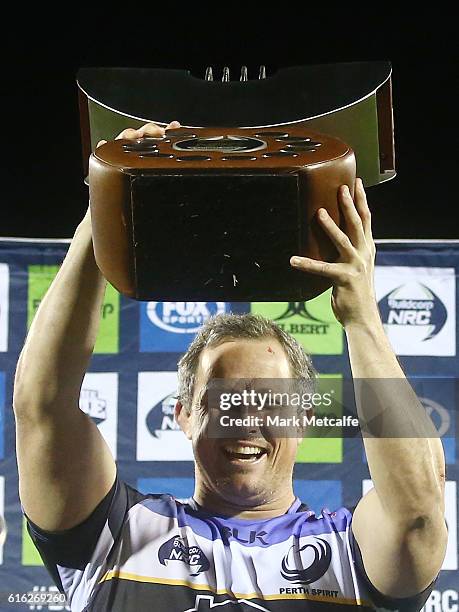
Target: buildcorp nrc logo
x=414, y=304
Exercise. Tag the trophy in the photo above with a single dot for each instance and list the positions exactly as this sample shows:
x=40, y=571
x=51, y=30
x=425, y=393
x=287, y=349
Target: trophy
x=215, y=209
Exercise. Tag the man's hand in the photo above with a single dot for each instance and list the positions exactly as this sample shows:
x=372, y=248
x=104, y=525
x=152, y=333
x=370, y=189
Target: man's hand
x=149, y=129
x=353, y=297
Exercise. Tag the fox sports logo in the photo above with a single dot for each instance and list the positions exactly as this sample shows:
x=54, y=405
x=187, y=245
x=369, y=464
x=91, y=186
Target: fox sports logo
x=182, y=317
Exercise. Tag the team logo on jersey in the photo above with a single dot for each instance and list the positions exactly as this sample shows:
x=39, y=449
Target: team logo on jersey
x=415, y=305
x=207, y=602
x=175, y=549
x=161, y=416
x=182, y=317
x=315, y=557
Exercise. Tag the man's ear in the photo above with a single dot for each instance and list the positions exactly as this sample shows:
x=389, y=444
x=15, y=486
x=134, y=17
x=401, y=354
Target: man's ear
x=183, y=419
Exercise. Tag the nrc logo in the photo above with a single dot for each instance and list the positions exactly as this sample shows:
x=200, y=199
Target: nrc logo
x=161, y=416
x=182, y=317
x=415, y=305
x=175, y=549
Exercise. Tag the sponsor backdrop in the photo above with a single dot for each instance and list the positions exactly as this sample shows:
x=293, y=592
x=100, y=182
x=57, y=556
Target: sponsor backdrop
x=131, y=383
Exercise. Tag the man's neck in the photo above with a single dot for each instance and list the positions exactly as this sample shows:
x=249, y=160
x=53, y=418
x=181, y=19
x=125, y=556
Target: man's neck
x=210, y=502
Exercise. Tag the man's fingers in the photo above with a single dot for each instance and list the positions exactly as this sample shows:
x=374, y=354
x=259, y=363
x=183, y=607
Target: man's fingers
x=336, y=235
x=100, y=143
x=149, y=129
x=128, y=133
x=322, y=268
x=173, y=125
x=354, y=224
x=361, y=205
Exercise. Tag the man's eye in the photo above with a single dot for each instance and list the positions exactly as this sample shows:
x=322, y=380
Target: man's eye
x=273, y=405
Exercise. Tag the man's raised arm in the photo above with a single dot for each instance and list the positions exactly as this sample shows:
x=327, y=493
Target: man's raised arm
x=399, y=525
x=65, y=467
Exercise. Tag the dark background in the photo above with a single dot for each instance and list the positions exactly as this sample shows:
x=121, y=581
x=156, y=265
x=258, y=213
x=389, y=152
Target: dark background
x=43, y=190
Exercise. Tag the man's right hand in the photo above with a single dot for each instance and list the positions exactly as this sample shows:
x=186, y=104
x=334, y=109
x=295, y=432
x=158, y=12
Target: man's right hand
x=148, y=129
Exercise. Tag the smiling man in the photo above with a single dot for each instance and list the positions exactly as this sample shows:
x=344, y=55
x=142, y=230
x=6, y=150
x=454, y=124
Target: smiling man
x=244, y=541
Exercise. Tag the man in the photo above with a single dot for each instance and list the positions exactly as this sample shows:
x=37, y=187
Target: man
x=244, y=541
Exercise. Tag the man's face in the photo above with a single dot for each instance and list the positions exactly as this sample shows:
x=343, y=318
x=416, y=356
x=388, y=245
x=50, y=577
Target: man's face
x=254, y=468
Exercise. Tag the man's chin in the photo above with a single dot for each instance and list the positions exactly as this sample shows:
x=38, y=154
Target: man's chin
x=243, y=492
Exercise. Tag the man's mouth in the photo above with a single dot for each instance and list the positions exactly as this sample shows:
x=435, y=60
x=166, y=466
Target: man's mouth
x=244, y=452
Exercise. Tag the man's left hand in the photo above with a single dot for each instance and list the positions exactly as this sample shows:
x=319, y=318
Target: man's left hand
x=353, y=297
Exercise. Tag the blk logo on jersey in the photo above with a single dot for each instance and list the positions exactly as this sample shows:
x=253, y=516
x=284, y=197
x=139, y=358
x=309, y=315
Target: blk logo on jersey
x=315, y=558
x=423, y=309
x=171, y=326
x=417, y=307
x=161, y=416
x=246, y=536
x=175, y=549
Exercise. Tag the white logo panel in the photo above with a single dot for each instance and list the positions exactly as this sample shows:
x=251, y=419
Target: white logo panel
x=99, y=400
x=450, y=562
x=418, y=309
x=159, y=437
x=4, y=305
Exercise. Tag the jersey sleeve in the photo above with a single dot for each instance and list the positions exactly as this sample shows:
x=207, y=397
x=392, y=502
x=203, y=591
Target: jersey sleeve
x=402, y=604
x=65, y=552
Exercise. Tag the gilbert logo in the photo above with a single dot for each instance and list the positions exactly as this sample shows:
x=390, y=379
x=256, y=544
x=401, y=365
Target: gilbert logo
x=418, y=309
x=182, y=317
x=309, y=324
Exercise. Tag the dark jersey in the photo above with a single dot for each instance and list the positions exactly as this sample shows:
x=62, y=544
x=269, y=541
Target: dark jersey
x=140, y=552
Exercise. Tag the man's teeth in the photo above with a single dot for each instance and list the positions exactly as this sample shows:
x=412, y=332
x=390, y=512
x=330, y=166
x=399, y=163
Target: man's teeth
x=244, y=450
